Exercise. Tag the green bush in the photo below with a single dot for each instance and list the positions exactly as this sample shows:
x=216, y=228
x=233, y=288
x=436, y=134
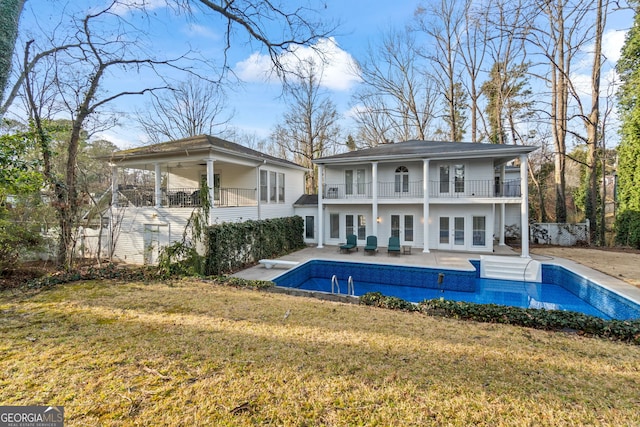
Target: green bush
x=553, y=320
x=628, y=229
x=233, y=246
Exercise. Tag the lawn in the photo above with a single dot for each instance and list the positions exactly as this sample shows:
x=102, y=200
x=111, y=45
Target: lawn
x=191, y=353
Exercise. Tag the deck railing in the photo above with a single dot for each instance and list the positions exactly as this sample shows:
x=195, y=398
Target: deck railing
x=180, y=197
x=414, y=189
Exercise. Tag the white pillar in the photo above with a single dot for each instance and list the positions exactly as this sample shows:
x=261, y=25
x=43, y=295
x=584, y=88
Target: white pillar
x=320, y=214
x=374, y=197
x=425, y=203
x=503, y=212
x=158, y=184
x=258, y=199
x=114, y=186
x=210, y=184
x=524, y=206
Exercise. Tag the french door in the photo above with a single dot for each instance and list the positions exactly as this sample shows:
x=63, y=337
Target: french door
x=402, y=227
x=451, y=233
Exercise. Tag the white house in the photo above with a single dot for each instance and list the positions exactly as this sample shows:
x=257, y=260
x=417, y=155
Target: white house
x=244, y=184
x=432, y=195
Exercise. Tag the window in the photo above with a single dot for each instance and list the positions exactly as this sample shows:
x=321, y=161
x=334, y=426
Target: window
x=402, y=180
x=444, y=230
x=479, y=231
x=272, y=187
x=309, y=227
x=360, y=184
x=408, y=228
x=334, y=226
x=459, y=178
x=281, y=188
x=264, y=190
x=348, y=182
x=458, y=231
x=349, y=225
x=444, y=178
x=395, y=226
x=362, y=227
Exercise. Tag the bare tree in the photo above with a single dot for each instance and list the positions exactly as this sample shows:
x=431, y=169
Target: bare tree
x=310, y=129
x=441, y=22
x=473, y=50
x=194, y=107
x=397, y=101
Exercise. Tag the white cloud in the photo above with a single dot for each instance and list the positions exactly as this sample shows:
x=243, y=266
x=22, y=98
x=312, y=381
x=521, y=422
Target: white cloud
x=123, y=7
x=201, y=32
x=612, y=42
x=338, y=68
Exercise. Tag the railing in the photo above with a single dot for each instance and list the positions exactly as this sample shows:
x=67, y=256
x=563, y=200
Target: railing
x=414, y=189
x=185, y=197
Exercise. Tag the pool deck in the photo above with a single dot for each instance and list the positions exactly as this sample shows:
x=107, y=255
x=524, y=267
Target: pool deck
x=435, y=258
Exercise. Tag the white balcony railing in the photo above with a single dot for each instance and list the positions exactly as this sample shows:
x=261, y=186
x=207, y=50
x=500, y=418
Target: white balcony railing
x=414, y=189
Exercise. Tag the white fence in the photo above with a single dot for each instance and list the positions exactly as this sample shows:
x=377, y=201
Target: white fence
x=551, y=233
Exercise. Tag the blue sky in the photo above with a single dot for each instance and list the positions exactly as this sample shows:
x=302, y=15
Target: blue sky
x=256, y=103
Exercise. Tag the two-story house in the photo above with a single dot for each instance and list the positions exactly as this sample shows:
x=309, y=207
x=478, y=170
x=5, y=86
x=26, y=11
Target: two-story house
x=243, y=184
x=432, y=195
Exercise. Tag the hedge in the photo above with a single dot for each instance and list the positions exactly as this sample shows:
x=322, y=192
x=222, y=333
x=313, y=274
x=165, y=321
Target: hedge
x=552, y=320
x=233, y=246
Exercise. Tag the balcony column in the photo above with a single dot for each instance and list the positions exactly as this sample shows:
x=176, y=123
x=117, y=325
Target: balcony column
x=425, y=203
x=114, y=186
x=374, y=197
x=158, y=185
x=502, y=206
x=524, y=206
x=210, y=184
x=320, y=197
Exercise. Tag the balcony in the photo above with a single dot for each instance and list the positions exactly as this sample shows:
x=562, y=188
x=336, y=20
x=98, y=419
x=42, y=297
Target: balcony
x=185, y=197
x=414, y=190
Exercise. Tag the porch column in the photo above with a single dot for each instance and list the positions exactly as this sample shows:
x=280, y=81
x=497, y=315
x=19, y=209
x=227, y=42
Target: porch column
x=259, y=202
x=210, y=184
x=114, y=186
x=158, y=184
x=425, y=203
x=374, y=196
x=503, y=213
x=320, y=215
x=524, y=206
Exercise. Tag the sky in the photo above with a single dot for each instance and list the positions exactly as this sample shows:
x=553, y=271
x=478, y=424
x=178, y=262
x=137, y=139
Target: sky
x=256, y=103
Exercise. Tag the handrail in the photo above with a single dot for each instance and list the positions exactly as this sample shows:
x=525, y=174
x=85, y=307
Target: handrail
x=334, y=283
x=350, y=289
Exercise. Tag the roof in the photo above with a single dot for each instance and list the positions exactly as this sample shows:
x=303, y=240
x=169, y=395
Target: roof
x=194, y=145
x=307, y=200
x=415, y=149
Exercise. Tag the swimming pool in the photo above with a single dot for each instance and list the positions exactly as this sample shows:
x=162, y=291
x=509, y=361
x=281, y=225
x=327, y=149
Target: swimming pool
x=561, y=289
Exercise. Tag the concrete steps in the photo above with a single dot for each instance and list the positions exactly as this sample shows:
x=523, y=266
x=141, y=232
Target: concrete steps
x=510, y=268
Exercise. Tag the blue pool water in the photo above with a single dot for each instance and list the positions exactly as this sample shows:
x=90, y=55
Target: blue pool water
x=561, y=288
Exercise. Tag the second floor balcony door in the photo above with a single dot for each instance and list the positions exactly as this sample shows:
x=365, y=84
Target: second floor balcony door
x=354, y=183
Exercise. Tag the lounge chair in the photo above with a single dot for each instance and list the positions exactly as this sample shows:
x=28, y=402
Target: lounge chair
x=394, y=245
x=352, y=243
x=372, y=245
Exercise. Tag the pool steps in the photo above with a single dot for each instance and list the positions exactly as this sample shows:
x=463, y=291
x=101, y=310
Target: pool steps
x=510, y=268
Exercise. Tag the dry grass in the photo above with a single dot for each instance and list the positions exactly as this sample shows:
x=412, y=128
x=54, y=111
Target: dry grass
x=195, y=354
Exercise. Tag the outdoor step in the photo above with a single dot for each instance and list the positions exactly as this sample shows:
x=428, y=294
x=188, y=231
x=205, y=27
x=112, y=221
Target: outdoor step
x=510, y=268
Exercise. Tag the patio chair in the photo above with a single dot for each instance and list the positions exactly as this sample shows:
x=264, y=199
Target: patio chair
x=394, y=246
x=352, y=243
x=372, y=245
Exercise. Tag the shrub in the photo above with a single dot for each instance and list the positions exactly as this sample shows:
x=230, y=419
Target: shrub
x=628, y=229
x=553, y=320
